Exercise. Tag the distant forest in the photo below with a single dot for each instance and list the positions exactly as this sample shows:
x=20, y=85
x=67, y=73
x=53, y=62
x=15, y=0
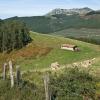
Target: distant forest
x=54, y=23
x=13, y=35
x=60, y=22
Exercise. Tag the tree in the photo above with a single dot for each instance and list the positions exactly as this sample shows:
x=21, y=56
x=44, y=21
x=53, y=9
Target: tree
x=13, y=35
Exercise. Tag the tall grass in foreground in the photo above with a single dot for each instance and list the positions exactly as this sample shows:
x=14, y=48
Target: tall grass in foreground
x=70, y=84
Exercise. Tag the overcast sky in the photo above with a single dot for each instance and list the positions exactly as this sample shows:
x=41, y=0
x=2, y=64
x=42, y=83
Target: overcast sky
x=9, y=8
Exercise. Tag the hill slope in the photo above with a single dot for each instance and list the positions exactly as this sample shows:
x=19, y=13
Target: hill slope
x=57, y=22
x=45, y=49
x=37, y=56
x=88, y=35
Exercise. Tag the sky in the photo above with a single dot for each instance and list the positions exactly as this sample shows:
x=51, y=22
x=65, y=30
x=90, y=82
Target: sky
x=10, y=8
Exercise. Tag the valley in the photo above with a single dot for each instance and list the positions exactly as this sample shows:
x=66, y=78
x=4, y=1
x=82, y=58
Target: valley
x=35, y=67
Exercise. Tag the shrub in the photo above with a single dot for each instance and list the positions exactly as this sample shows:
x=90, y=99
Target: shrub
x=73, y=84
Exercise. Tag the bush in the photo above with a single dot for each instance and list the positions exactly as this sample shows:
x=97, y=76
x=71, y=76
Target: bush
x=25, y=91
x=73, y=84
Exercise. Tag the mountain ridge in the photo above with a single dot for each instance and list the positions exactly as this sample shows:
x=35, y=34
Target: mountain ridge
x=53, y=23
x=79, y=11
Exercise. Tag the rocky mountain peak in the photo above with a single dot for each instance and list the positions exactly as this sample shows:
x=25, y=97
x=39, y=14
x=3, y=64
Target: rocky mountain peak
x=79, y=11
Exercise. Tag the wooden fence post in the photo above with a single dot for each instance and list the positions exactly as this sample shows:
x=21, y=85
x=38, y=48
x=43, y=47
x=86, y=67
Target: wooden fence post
x=18, y=75
x=4, y=71
x=11, y=73
x=46, y=85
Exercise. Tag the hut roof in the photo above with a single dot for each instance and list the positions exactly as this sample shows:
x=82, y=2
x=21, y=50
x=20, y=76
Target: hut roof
x=68, y=45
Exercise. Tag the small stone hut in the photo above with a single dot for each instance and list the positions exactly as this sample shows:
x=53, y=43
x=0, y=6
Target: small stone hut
x=69, y=47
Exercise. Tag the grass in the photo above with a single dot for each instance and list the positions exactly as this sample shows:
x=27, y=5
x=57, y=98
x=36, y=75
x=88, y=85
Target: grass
x=89, y=35
x=45, y=49
x=56, y=54
x=69, y=83
x=79, y=32
x=38, y=55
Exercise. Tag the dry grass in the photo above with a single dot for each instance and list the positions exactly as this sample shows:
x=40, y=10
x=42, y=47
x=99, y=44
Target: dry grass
x=30, y=51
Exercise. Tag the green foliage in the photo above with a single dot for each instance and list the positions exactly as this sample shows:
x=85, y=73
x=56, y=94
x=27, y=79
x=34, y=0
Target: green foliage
x=67, y=84
x=59, y=22
x=25, y=91
x=94, y=40
x=84, y=34
x=13, y=35
x=49, y=24
x=88, y=51
x=73, y=84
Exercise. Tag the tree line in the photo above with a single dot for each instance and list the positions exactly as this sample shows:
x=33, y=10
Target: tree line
x=13, y=35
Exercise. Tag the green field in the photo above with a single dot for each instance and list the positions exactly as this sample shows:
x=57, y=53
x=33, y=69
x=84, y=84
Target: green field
x=88, y=35
x=37, y=57
x=88, y=51
x=45, y=49
x=59, y=22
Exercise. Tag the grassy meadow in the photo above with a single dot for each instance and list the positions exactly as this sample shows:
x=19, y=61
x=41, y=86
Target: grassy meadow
x=66, y=84
x=83, y=34
x=45, y=49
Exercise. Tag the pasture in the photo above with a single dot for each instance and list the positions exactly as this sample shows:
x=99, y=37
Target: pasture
x=83, y=34
x=45, y=49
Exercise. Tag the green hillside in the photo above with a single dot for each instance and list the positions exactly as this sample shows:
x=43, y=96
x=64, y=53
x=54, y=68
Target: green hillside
x=34, y=61
x=84, y=34
x=49, y=24
x=45, y=49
